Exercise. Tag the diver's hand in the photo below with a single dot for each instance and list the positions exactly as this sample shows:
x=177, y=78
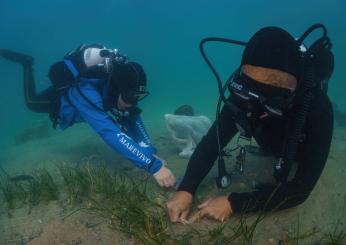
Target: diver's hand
x=164, y=177
x=178, y=206
x=218, y=208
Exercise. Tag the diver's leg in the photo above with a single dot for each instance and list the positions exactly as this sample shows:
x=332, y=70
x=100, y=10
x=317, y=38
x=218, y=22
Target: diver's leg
x=36, y=102
x=16, y=57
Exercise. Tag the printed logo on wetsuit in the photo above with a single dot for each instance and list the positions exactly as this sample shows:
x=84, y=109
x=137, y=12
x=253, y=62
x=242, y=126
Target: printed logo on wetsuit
x=142, y=130
x=124, y=141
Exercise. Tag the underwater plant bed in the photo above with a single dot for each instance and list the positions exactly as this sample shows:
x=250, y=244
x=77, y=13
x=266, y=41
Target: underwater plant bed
x=126, y=205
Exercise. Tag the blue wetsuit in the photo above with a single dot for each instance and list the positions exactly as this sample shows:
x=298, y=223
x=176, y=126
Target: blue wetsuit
x=88, y=101
x=132, y=141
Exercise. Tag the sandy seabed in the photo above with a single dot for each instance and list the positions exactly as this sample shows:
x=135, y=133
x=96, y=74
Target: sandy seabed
x=45, y=223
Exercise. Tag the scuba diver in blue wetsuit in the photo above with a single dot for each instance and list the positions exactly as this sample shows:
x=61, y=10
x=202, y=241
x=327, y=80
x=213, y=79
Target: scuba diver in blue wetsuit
x=101, y=87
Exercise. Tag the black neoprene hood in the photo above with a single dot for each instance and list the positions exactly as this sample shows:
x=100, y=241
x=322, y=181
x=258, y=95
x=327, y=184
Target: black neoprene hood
x=275, y=48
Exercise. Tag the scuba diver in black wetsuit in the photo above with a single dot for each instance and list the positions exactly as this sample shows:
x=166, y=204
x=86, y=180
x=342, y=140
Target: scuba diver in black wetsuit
x=98, y=86
x=278, y=97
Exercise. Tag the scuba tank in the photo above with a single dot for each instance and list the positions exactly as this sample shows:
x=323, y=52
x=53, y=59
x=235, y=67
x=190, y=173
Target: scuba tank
x=92, y=61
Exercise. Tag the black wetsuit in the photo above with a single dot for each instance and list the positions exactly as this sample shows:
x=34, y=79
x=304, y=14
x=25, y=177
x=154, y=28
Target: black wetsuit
x=311, y=157
x=37, y=102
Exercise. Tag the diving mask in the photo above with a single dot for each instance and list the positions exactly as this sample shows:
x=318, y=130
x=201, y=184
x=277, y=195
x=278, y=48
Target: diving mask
x=273, y=105
x=132, y=97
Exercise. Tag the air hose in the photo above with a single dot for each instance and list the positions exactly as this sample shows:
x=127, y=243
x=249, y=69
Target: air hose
x=294, y=133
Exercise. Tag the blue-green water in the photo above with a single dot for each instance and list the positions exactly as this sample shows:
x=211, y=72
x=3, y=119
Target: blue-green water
x=164, y=37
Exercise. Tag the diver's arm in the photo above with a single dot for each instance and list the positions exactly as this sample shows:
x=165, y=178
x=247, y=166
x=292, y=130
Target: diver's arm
x=206, y=152
x=109, y=131
x=311, y=161
x=137, y=131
